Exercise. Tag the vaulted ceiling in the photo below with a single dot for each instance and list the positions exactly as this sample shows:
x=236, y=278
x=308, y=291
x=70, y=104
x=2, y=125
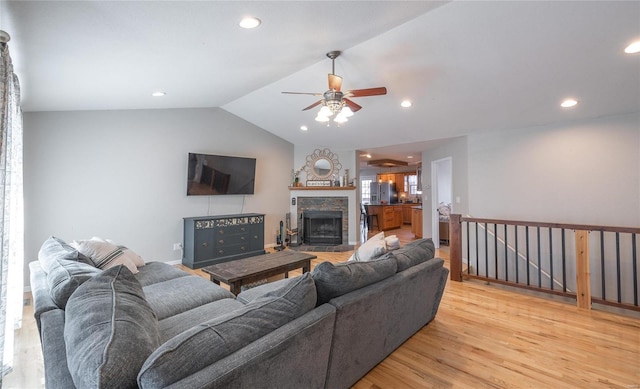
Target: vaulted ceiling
x=466, y=65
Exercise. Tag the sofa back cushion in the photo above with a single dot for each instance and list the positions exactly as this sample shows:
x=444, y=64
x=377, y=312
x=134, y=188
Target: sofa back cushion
x=109, y=331
x=66, y=277
x=206, y=343
x=335, y=280
x=55, y=249
x=413, y=253
x=66, y=269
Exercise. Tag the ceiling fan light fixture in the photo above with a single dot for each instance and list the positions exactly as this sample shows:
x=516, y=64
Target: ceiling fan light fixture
x=321, y=118
x=340, y=119
x=346, y=112
x=325, y=111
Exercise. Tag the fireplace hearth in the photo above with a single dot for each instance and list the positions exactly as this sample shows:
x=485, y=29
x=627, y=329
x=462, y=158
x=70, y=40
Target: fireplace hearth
x=322, y=228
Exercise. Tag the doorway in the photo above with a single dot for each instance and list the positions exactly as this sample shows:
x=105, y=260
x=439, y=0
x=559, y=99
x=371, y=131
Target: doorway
x=442, y=193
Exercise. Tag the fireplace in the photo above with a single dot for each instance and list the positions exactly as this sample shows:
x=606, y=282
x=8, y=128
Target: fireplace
x=322, y=227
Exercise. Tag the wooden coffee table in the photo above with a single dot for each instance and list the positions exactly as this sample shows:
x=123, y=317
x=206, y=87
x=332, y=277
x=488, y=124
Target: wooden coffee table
x=247, y=270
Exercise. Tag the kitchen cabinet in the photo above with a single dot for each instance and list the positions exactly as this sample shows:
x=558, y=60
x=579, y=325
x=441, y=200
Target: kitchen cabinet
x=389, y=216
x=416, y=222
x=444, y=232
x=406, y=213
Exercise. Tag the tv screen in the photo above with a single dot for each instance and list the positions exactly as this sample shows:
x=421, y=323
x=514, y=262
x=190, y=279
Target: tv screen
x=220, y=175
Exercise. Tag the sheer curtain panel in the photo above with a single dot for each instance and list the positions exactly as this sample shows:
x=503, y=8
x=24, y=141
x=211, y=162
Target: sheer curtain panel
x=11, y=208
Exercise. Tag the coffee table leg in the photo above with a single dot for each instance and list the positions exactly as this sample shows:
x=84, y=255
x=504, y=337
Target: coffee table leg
x=214, y=280
x=307, y=267
x=236, y=287
x=286, y=274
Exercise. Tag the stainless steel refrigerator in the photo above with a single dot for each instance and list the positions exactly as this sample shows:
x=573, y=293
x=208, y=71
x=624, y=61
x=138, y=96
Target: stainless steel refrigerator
x=383, y=193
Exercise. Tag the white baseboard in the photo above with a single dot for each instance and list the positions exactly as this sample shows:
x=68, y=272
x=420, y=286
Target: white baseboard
x=176, y=262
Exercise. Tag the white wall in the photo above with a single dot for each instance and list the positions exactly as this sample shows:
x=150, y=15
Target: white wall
x=122, y=175
x=582, y=173
x=456, y=148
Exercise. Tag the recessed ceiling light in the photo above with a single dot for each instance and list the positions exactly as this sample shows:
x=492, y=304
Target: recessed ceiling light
x=409, y=156
x=158, y=94
x=250, y=22
x=568, y=103
x=406, y=104
x=633, y=48
x=304, y=128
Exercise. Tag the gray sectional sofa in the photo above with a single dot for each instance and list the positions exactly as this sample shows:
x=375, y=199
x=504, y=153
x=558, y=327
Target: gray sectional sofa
x=163, y=327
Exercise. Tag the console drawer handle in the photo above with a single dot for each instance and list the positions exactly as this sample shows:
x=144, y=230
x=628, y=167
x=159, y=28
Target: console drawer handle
x=221, y=241
x=205, y=244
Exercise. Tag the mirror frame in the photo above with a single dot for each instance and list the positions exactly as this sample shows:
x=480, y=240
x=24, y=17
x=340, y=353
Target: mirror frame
x=319, y=155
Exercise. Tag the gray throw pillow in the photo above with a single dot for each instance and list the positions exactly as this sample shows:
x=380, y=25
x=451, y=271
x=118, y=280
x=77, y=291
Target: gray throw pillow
x=66, y=269
x=109, y=331
x=335, y=280
x=55, y=249
x=413, y=253
x=65, y=277
x=206, y=343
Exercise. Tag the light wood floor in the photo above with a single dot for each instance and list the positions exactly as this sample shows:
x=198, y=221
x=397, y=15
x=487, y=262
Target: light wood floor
x=484, y=336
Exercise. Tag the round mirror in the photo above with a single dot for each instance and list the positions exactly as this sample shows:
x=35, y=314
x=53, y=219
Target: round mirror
x=322, y=165
x=322, y=168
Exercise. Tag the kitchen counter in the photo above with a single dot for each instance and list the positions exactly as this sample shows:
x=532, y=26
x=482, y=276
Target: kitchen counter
x=389, y=215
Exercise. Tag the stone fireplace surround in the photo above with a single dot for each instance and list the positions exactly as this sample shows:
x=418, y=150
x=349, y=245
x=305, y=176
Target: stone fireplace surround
x=339, y=199
x=326, y=204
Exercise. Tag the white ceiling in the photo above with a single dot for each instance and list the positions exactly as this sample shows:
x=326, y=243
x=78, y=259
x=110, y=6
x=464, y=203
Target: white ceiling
x=466, y=65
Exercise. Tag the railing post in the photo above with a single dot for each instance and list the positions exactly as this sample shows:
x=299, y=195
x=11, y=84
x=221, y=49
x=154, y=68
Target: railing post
x=583, y=273
x=455, y=248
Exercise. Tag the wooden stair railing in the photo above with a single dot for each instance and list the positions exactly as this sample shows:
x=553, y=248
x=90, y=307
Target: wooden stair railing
x=582, y=257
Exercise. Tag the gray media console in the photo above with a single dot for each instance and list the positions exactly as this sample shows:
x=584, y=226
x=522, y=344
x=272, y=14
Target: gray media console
x=214, y=239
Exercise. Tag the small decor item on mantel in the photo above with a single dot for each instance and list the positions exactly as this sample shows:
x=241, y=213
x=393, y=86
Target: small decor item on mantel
x=295, y=177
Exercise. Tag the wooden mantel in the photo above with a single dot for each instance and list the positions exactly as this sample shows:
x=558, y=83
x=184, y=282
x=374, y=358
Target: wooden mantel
x=322, y=187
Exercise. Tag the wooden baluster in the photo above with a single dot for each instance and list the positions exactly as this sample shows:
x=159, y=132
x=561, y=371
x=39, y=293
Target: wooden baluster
x=455, y=248
x=583, y=274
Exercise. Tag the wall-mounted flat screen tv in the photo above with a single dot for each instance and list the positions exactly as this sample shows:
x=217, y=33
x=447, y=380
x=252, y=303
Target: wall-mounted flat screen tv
x=220, y=175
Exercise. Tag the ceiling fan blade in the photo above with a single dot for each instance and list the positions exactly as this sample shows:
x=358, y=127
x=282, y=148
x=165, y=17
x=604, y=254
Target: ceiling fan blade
x=302, y=93
x=367, y=92
x=313, y=105
x=353, y=106
x=335, y=82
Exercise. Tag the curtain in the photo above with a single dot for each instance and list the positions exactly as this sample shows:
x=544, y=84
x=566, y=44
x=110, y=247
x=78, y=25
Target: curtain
x=11, y=210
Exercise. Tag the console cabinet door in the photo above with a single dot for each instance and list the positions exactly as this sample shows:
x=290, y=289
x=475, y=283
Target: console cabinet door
x=203, y=244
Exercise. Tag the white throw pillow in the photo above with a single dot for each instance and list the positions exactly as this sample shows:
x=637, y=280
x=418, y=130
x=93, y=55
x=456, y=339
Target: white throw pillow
x=104, y=254
x=128, y=253
x=371, y=249
x=392, y=242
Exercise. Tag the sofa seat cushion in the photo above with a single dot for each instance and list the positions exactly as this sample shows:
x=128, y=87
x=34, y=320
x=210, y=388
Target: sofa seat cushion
x=173, y=325
x=206, y=343
x=251, y=294
x=168, y=298
x=413, y=253
x=335, y=280
x=154, y=272
x=109, y=331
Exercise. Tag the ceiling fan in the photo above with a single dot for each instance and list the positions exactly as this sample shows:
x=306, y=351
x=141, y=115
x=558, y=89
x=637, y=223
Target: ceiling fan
x=335, y=103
